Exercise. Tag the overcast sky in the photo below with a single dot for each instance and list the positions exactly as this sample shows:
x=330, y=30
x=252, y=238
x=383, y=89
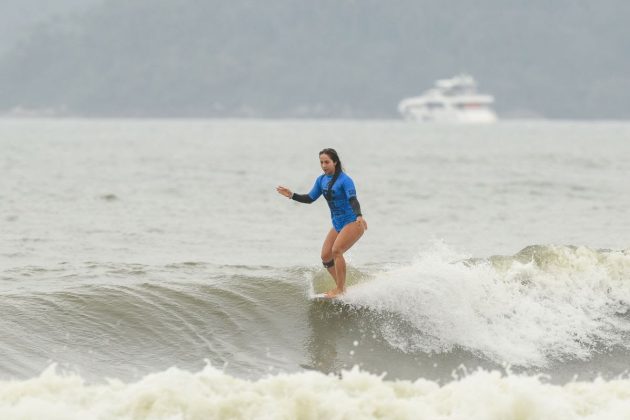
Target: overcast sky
x=328, y=58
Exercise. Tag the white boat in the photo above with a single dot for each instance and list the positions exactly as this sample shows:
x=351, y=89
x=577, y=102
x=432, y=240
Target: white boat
x=451, y=100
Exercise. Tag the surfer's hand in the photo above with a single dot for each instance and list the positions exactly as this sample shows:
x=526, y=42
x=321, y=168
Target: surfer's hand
x=284, y=191
x=362, y=222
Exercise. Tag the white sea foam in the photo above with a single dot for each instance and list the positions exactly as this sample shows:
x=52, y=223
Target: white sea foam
x=547, y=303
x=210, y=393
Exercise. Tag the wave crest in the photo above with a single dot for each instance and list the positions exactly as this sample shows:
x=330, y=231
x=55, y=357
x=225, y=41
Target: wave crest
x=541, y=305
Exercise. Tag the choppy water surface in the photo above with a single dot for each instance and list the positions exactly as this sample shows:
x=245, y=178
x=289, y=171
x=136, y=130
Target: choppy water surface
x=159, y=253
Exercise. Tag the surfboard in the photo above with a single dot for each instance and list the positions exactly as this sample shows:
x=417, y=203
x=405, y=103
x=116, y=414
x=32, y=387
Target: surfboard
x=320, y=297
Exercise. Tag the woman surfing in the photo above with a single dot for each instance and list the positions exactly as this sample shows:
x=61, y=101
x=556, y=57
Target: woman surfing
x=348, y=223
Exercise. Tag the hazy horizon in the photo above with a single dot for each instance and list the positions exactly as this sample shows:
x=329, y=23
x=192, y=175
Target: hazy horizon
x=338, y=60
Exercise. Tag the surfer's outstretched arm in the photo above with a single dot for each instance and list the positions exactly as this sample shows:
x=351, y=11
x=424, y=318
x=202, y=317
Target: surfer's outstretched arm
x=302, y=198
x=313, y=195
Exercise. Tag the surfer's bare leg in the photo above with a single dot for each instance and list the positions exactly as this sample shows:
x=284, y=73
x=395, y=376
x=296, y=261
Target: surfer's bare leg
x=327, y=254
x=346, y=238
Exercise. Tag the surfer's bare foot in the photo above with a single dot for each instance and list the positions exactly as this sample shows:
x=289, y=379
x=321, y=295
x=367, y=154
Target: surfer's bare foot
x=334, y=293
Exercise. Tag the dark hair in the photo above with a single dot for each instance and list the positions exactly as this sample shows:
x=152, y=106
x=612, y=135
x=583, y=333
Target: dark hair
x=332, y=153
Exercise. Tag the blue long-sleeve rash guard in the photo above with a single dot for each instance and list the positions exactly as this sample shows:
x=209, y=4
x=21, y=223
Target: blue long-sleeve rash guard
x=342, y=198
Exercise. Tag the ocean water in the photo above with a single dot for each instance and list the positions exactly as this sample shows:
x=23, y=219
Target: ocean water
x=149, y=269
